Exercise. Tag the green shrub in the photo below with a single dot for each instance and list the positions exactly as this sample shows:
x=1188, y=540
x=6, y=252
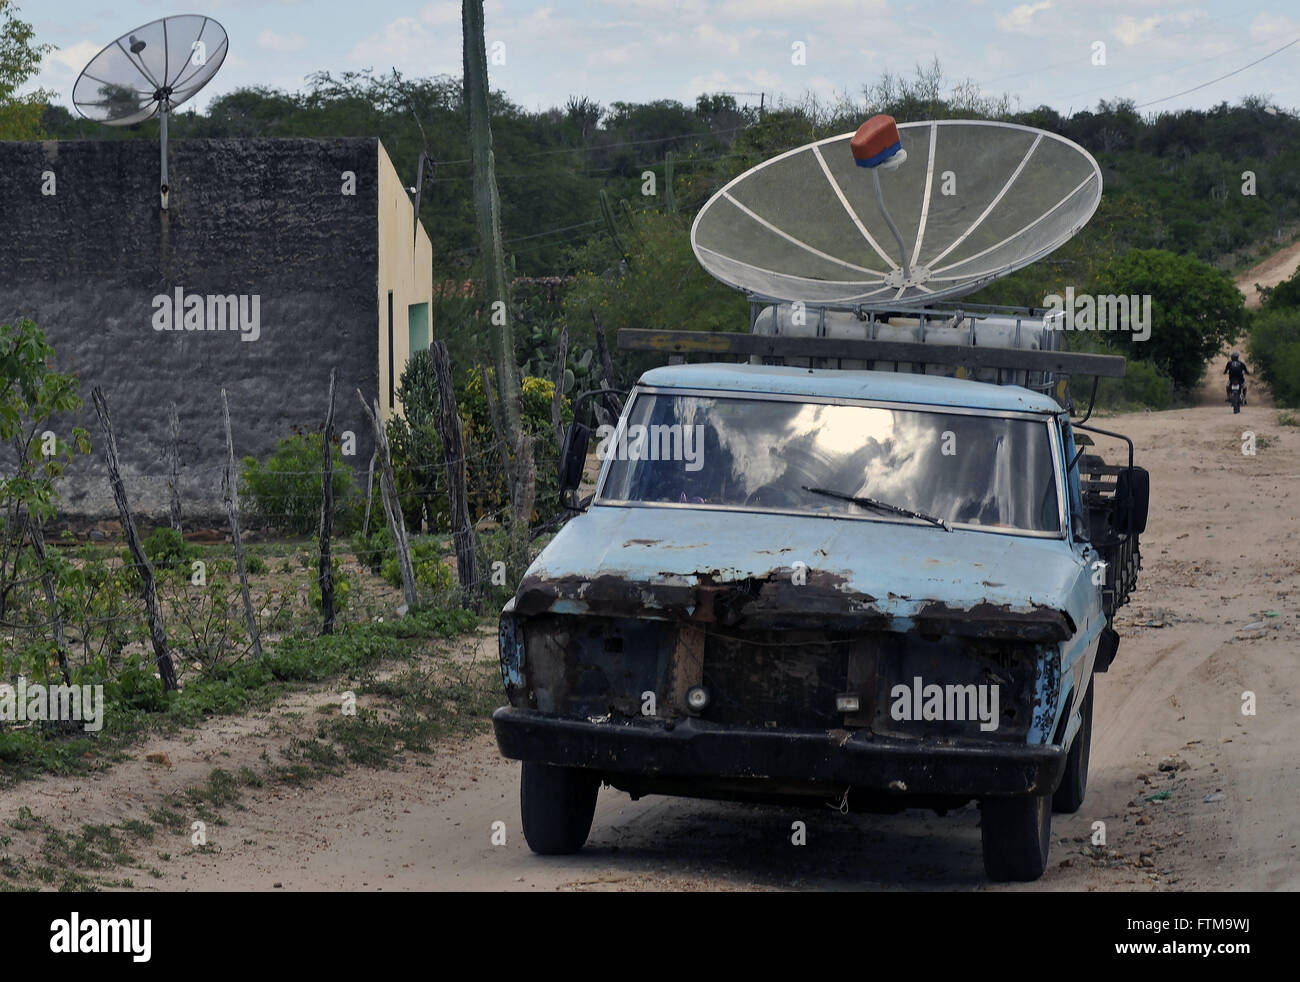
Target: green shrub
x=166, y=549
x=488, y=495
x=498, y=546
x=371, y=549
x=285, y=492
x=342, y=587
x=1274, y=350
x=255, y=565
x=420, y=469
x=431, y=573
x=1195, y=310
x=1143, y=386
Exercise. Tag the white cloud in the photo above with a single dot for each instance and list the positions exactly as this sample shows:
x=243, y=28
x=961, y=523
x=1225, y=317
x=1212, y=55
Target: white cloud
x=1130, y=30
x=1267, y=27
x=1020, y=18
x=271, y=41
x=718, y=40
x=748, y=10
x=405, y=38
x=60, y=69
x=443, y=13
x=604, y=56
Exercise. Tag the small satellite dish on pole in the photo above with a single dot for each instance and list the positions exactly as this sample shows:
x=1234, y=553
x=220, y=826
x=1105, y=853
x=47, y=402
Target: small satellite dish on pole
x=950, y=206
x=149, y=72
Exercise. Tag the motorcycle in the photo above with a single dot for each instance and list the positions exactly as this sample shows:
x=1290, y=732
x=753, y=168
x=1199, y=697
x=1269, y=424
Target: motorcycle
x=1236, y=396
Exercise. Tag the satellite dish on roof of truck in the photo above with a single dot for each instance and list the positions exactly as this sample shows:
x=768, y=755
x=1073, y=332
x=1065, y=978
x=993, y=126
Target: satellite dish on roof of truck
x=150, y=71
x=948, y=205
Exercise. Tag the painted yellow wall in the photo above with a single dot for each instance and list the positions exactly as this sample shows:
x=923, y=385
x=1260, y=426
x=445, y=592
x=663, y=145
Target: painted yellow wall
x=405, y=267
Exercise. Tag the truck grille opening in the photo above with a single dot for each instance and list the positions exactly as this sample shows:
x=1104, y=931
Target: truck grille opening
x=593, y=667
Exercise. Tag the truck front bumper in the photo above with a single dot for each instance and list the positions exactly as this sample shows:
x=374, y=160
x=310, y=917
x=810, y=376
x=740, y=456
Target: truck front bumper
x=692, y=748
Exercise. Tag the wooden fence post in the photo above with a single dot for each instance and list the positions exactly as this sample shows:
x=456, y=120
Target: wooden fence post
x=392, y=504
x=173, y=481
x=607, y=366
x=229, y=488
x=162, y=658
x=557, y=398
x=327, y=515
x=507, y=471
x=51, y=598
x=453, y=453
x=370, y=488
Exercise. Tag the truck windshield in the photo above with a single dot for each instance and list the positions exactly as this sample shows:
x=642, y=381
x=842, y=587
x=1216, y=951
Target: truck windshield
x=765, y=454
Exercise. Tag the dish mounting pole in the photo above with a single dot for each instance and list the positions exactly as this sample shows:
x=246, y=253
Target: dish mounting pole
x=898, y=236
x=164, y=107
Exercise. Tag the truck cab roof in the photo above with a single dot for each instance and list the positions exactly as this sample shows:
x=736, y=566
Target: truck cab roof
x=933, y=390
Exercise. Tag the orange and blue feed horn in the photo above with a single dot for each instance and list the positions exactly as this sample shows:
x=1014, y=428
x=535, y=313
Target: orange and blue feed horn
x=875, y=141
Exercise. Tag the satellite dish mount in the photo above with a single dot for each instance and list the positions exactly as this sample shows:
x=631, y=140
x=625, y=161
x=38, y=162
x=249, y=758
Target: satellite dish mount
x=149, y=72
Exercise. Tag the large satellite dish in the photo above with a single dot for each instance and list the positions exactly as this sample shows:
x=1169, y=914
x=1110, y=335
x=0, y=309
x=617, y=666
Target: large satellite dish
x=150, y=71
x=897, y=216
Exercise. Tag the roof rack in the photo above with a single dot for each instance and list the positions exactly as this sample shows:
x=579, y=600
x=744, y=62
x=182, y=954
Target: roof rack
x=679, y=344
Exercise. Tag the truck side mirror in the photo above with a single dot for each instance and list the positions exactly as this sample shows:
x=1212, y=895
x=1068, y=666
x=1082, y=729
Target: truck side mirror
x=1079, y=527
x=573, y=457
x=1132, y=499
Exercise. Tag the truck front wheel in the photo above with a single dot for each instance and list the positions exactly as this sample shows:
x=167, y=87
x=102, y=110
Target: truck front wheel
x=557, y=805
x=1074, y=784
x=1016, y=835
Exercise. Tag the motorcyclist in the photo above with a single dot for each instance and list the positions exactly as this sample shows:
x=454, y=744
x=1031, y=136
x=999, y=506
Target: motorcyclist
x=1236, y=371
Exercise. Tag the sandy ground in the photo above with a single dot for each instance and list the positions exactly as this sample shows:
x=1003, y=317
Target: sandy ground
x=1215, y=622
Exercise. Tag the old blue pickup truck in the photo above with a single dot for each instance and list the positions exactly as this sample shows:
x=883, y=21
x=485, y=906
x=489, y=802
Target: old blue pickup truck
x=861, y=554
x=888, y=590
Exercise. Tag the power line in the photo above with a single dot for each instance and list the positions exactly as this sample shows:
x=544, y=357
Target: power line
x=554, y=231
x=1162, y=36
x=1126, y=83
x=608, y=146
x=1194, y=88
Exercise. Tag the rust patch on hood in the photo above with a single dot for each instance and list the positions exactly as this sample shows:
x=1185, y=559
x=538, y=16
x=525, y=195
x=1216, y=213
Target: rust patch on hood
x=988, y=620
x=824, y=600
x=772, y=600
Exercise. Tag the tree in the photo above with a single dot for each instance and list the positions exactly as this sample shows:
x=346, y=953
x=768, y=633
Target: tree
x=1195, y=310
x=1274, y=348
x=20, y=60
x=32, y=395
x=662, y=286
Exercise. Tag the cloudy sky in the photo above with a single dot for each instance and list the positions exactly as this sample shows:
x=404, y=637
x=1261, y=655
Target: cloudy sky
x=1042, y=51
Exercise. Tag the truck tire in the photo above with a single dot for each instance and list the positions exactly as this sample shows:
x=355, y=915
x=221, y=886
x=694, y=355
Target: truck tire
x=1016, y=835
x=1074, y=784
x=557, y=805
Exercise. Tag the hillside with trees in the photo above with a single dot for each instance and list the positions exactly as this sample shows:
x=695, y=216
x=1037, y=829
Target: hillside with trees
x=597, y=200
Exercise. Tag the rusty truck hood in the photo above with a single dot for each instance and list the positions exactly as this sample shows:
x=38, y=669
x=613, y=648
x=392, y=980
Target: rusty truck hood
x=743, y=568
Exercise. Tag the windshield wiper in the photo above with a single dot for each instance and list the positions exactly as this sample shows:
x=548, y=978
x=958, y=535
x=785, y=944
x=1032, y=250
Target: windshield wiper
x=882, y=505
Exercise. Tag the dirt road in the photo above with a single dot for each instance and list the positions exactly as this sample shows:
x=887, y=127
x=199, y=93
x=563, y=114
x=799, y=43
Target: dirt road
x=1217, y=615
x=1272, y=271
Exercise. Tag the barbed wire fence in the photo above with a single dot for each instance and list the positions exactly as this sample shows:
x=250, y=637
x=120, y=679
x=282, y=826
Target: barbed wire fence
x=101, y=623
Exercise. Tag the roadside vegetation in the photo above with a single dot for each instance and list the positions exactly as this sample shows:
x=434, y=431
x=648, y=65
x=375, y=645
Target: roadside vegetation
x=1274, y=346
x=94, y=631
